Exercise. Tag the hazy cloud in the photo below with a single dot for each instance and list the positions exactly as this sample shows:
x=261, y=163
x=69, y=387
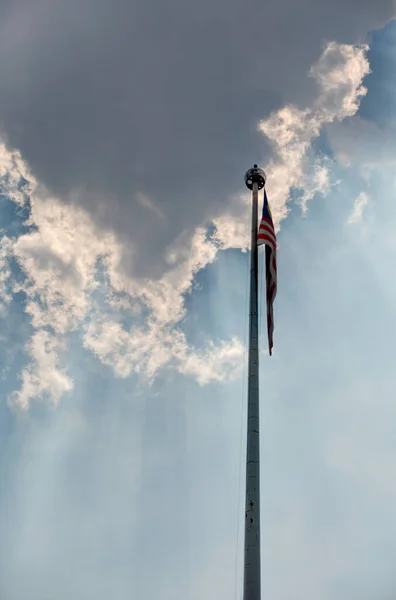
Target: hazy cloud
x=358, y=207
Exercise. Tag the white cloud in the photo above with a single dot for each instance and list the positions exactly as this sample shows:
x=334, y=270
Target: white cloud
x=67, y=261
x=149, y=349
x=233, y=227
x=59, y=258
x=75, y=279
x=5, y=274
x=16, y=181
x=44, y=378
x=150, y=346
x=291, y=131
x=216, y=363
x=339, y=73
x=357, y=214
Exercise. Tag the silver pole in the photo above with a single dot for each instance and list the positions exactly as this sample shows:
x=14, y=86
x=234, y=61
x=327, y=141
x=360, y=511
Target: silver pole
x=255, y=180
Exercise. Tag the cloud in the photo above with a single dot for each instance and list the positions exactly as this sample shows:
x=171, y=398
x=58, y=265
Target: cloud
x=127, y=109
x=75, y=281
x=44, y=378
x=16, y=181
x=98, y=485
x=148, y=350
x=363, y=145
x=292, y=131
x=358, y=207
x=78, y=276
x=150, y=205
x=218, y=363
x=339, y=74
x=5, y=274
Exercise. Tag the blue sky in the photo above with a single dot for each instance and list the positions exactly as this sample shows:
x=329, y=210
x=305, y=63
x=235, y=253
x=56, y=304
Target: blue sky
x=123, y=375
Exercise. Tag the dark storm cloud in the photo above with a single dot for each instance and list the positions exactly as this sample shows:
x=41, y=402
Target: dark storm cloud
x=112, y=97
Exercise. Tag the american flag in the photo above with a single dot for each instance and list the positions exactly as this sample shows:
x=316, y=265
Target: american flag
x=267, y=236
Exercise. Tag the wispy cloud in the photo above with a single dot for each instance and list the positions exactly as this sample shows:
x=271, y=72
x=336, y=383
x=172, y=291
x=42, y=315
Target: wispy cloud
x=146, y=202
x=358, y=207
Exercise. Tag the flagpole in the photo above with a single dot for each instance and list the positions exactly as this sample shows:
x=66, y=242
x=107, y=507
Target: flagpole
x=255, y=181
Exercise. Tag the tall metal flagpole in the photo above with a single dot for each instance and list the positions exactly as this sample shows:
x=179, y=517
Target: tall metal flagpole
x=255, y=180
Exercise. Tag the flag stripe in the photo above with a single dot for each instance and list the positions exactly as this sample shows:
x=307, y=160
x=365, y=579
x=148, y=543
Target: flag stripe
x=264, y=235
x=267, y=228
x=267, y=236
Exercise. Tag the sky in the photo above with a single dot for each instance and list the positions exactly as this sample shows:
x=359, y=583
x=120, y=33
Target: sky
x=125, y=132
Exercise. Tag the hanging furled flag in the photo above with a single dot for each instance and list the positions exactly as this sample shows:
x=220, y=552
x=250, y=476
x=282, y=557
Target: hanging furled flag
x=267, y=236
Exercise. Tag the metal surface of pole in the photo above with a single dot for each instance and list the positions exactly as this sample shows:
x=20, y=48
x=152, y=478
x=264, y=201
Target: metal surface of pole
x=255, y=180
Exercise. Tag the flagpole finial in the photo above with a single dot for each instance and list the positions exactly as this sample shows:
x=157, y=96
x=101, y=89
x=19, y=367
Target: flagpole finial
x=255, y=175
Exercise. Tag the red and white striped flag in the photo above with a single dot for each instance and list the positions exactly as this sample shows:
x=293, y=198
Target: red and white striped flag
x=267, y=236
